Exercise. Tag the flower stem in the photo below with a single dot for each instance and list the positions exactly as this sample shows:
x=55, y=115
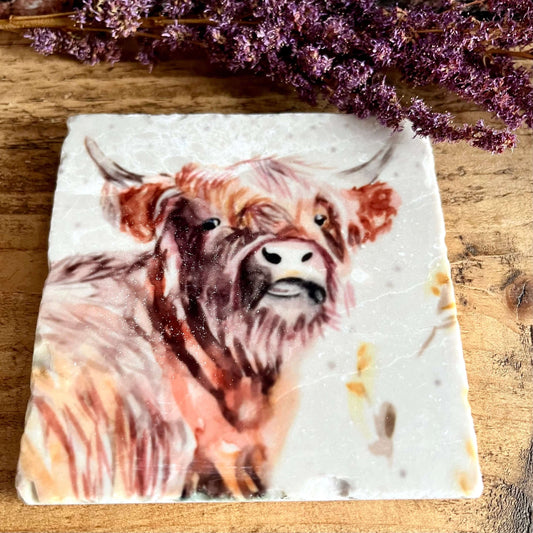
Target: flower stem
x=66, y=22
x=512, y=53
x=55, y=20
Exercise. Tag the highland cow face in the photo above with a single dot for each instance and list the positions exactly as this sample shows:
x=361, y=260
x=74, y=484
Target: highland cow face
x=256, y=250
x=255, y=264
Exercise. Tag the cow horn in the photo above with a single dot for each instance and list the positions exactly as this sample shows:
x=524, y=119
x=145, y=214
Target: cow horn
x=110, y=170
x=370, y=170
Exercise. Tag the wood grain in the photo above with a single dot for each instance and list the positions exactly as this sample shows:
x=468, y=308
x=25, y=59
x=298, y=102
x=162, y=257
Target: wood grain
x=488, y=207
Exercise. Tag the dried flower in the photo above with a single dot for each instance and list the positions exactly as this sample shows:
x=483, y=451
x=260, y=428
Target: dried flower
x=89, y=48
x=340, y=50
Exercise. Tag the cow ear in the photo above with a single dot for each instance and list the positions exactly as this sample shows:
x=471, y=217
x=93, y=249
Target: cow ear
x=127, y=202
x=371, y=210
x=137, y=209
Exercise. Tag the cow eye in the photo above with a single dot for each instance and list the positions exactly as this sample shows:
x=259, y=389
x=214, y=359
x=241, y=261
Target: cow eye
x=210, y=223
x=320, y=220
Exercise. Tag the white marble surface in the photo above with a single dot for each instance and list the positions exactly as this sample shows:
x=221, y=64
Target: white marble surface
x=408, y=347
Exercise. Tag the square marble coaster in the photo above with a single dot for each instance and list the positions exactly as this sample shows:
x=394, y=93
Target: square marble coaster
x=246, y=306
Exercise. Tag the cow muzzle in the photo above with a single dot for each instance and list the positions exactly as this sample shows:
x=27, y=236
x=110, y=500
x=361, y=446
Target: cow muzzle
x=295, y=287
x=289, y=269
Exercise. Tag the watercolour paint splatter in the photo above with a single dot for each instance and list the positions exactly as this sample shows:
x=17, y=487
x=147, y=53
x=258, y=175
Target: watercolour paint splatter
x=238, y=308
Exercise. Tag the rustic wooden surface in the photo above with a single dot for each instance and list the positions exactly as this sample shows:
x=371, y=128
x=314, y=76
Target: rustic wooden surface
x=488, y=209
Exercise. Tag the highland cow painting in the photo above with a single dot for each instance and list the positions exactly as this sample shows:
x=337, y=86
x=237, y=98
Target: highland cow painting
x=245, y=307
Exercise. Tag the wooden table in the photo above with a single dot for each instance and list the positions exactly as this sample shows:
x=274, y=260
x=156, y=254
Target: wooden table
x=488, y=209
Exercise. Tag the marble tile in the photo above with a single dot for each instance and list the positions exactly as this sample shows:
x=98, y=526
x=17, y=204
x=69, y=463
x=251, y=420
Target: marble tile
x=246, y=306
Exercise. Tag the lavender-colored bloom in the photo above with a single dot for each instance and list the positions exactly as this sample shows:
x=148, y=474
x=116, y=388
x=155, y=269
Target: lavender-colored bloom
x=341, y=51
x=175, y=8
x=90, y=49
x=122, y=17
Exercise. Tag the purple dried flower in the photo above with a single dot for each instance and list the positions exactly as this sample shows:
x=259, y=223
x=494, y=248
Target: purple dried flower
x=122, y=17
x=342, y=51
x=175, y=8
x=90, y=49
x=314, y=63
x=178, y=36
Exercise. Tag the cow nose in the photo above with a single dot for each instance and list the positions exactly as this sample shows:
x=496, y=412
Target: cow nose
x=271, y=257
x=274, y=256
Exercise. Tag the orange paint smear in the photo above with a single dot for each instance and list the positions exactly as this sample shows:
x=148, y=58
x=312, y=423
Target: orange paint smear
x=471, y=449
x=356, y=388
x=467, y=482
x=449, y=306
x=363, y=357
x=441, y=278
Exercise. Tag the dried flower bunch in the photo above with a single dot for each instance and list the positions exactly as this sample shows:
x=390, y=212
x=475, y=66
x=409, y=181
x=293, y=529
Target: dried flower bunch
x=345, y=51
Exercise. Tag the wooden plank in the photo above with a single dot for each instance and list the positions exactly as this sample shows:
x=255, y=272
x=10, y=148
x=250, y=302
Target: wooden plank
x=24, y=231
x=22, y=271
